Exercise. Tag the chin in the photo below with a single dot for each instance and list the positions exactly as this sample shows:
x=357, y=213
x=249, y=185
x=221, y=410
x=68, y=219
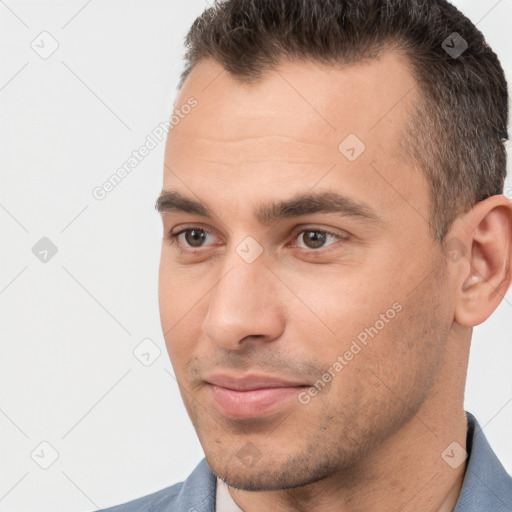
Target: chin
x=267, y=474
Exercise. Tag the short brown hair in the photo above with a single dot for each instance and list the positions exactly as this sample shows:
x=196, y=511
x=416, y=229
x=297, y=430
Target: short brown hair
x=458, y=131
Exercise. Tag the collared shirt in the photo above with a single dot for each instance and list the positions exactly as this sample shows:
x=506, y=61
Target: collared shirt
x=224, y=502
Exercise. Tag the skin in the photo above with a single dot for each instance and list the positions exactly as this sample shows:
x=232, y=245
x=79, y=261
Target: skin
x=372, y=439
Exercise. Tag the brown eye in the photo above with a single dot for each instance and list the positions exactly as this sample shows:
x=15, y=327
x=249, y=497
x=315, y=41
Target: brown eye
x=195, y=237
x=314, y=239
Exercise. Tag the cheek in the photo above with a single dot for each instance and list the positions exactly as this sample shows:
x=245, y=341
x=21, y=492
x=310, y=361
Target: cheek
x=354, y=323
x=178, y=305
x=182, y=292
x=403, y=358
x=338, y=303
x=371, y=384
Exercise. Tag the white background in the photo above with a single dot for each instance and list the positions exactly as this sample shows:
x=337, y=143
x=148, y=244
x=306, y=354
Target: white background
x=69, y=326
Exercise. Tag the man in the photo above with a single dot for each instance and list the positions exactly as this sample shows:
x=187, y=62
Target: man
x=334, y=227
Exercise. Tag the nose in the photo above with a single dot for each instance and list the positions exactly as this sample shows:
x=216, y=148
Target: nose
x=245, y=304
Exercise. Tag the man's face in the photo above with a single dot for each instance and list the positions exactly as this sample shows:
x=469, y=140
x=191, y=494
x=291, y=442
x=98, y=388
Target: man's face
x=358, y=317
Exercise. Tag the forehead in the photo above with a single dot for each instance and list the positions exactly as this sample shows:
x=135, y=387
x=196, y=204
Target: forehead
x=309, y=98
x=289, y=130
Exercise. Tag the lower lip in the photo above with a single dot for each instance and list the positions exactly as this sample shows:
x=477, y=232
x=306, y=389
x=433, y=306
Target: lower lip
x=251, y=403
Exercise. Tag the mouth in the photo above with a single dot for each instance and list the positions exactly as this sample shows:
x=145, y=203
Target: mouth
x=252, y=395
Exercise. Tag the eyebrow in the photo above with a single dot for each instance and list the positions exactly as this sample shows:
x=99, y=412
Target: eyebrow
x=300, y=204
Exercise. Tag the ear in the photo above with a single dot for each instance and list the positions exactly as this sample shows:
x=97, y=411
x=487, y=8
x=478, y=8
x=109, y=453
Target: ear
x=481, y=247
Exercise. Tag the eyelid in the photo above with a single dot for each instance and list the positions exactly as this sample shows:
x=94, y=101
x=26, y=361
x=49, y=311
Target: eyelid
x=324, y=250
x=343, y=235
x=173, y=236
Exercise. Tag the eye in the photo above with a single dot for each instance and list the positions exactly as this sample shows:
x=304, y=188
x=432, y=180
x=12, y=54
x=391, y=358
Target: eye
x=193, y=236
x=312, y=238
x=315, y=238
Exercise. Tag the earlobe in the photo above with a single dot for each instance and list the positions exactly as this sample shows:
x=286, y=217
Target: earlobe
x=486, y=271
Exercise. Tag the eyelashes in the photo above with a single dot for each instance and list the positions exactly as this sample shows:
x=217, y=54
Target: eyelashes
x=174, y=238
